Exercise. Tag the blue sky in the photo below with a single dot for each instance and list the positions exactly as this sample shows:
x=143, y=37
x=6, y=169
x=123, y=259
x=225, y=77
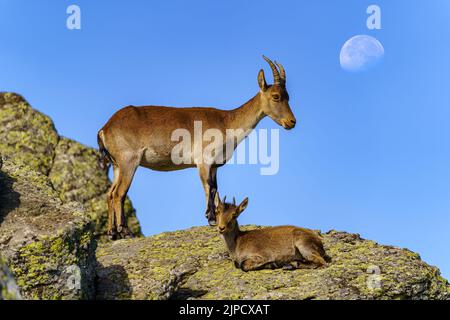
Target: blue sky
x=370, y=153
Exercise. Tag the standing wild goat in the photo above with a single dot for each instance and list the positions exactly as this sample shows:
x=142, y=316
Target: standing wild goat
x=142, y=136
x=273, y=247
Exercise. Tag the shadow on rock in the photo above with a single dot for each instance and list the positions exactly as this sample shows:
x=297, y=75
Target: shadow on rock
x=187, y=293
x=9, y=199
x=113, y=283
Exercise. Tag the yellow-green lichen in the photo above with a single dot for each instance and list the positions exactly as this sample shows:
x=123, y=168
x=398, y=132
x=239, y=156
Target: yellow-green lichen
x=40, y=266
x=26, y=135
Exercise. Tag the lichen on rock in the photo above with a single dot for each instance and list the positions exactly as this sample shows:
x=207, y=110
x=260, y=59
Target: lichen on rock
x=49, y=246
x=76, y=172
x=360, y=269
x=52, y=205
x=26, y=135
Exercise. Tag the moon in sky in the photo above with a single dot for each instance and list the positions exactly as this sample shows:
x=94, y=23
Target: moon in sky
x=360, y=53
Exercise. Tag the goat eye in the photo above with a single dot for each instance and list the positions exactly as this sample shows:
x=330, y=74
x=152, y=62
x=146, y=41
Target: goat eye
x=276, y=97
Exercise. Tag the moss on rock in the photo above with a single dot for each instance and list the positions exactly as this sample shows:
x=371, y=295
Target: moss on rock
x=193, y=264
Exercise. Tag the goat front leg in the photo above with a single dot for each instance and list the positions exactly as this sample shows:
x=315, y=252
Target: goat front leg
x=209, y=181
x=254, y=263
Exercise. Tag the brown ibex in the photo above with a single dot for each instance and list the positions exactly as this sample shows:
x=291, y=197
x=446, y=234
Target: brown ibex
x=286, y=247
x=141, y=136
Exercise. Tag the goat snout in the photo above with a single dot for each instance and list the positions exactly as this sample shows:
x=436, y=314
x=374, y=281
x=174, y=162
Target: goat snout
x=288, y=124
x=222, y=229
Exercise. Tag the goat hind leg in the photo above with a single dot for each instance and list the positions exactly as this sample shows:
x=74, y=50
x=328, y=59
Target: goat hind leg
x=310, y=255
x=123, y=184
x=112, y=231
x=316, y=260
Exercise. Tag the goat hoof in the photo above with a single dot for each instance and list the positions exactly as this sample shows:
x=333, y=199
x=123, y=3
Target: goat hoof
x=112, y=235
x=211, y=218
x=125, y=233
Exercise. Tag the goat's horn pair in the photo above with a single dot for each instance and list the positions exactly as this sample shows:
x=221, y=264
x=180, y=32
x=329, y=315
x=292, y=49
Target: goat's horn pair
x=278, y=78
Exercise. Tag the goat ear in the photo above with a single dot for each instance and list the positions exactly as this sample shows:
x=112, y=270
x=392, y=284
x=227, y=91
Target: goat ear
x=242, y=207
x=216, y=199
x=262, y=80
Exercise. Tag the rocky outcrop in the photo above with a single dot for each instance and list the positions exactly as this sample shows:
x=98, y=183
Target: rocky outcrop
x=52, y=203
x=48, y=245
x=193, y=264
x=52, y=206
x=28, y=137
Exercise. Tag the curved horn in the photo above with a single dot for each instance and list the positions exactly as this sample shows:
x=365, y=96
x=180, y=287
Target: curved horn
x=282, y=71
x=224, y=198
x=276, y=75
x=234, y=200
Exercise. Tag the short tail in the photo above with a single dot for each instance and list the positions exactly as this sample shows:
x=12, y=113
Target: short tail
x=106, y=156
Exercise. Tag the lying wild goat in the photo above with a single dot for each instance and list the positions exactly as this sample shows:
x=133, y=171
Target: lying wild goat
x=142, y=136
x=274, y=247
